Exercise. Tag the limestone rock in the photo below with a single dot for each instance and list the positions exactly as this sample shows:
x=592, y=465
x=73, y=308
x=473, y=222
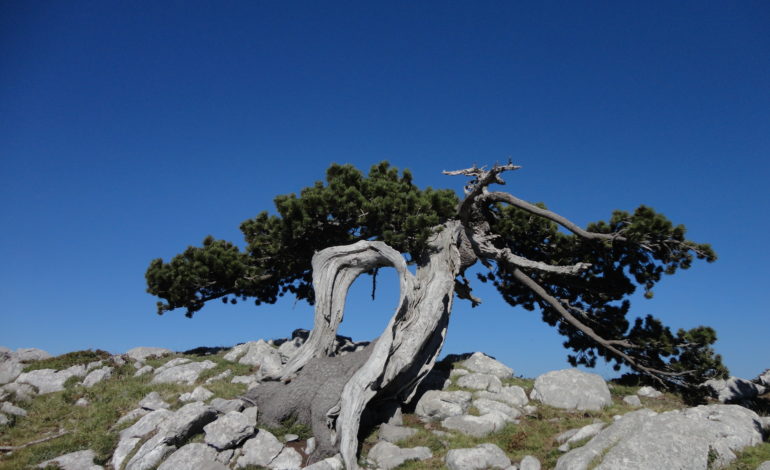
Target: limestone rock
x=394, y=434
x=257, y=353
x=11, y=409
x=199, y=394
x=485, y=405
x=49, y=380
x=733, y=390
x=4, y=420
x=287, y=459
x=762, y=379
x=10, y=367
x=260, y=450
x=572, y=389
x=153, y=401
x=31, y=354
x=436, y=404
x=96, y=376
x=481, y=363
x=649, y=392
x=81, y=460
x=512, y=395
x=575, y=435
x=146, y=424
x=150, y=454
x=529, y=462
x=123, y=450
x=221, y=376
x=632, y=400
x=477, y=458
x=20, y=391
x=187, y=372
x=229, y=430
x=143, y=370
x=332, y=463
x=131, y=416
x=143, y=353
x=477, y=426
x=478, y=381
x=223, y=406
x=186, y=421
x=764, y=465
x=683, y=439
x=191, y=456
x=387, y=456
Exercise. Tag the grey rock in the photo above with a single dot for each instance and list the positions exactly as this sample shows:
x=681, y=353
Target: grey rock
x=223, y=406
x=150, y=454
x=512, y=395
x=288, y=349
x=10, y=409
x=387, y=456
x=257, y=353
x=332, y=463
x=4, y=420
x=143, y=370
x=477, y=426
x=96, y=376
x=31, y=354
x=186, y=373
x=123, y=450
x=186, y=421
x=10, y=367
x=290, y=437
x=191, y=457
x=733, y=390
x=199, y=394
x=287, y=459
x=649, y=392
x=681, y=439
x=221, y=376
x=478, y=381
x=480, y=362
x=93, y=365
x=118, y=360
x=49, y=380
x=575, y=435
x=20, y=391
x=397, y=418
x=632, y=400
x=250, y=380
x=177, y=361
x=81, y=460
x=251, y=413
x=485, y=405
x=454, y=373
x=529, y=462
x=131, y=416
x=764, y=465
x=146, y=424
x=82, y=402
x=394, y=434
x=480, y=457
x=310, y=446
x=229, y=430
x=260, y=450
x=153, y=401
x=436, y=404
x=143, y=353
x=572, y=389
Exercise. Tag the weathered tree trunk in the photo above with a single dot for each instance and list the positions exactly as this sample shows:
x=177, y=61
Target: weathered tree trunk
x=390, y=368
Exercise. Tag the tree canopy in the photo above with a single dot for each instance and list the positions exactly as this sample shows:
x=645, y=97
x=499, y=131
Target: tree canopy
x=579, y=279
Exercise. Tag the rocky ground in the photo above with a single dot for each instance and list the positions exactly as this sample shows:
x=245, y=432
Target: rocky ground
x=151, y=408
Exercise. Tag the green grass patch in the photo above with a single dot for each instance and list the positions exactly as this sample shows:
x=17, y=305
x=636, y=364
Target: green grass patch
x=751, y=457
x=68, y=360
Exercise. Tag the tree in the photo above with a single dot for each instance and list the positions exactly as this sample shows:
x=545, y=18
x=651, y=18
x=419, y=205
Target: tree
x=320, y=242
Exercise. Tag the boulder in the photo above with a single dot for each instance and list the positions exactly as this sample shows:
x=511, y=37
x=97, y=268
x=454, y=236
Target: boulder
x=143, y=353
x=20, y=391
x=191, y=456
x=10, y=367
x=575, y=435
x=332, y=463
x=512, y=395
x=223, y=406
x=183, y=373
x=96, y=376
x=529, y=462
x=146, y=424
x=123, y=451
x=387, y=456
x=4, y=420
x=436, y=404
x=478, y=381
x=764, y=465
x=762, y=379
x=481, y=363
x=229, y=430
x=572, y=389
x=733, y=390
x=11, y=409
x=153, y=401
x=287, y=459
x=257, y=353
x=31, y=354
x=131, y=416
x=49, y=380
x=143, y=370
x=81, y=460
x=260, y=450
x=477, y=426
x=632, y=400
x=221, y=376
x=394, y=434
x=485, y=405
x=693, y=438
x=649, y=392
x=199, y=394
x=482, y=456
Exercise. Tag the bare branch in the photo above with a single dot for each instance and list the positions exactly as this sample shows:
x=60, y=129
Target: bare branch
x=477, y=186
x=32, y=443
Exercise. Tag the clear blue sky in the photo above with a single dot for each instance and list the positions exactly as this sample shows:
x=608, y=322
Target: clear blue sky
x=130, y=130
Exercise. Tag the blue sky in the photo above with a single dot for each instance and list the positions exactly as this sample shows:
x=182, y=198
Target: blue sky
x=130, y=130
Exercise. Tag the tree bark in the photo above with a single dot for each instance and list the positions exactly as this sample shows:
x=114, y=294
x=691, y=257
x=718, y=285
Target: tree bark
x=390, y=368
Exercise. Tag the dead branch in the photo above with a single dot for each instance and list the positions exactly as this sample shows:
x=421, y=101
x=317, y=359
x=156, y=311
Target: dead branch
x=32, y=443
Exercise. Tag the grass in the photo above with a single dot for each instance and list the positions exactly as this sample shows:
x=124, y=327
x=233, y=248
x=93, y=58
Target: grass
x=68, y=360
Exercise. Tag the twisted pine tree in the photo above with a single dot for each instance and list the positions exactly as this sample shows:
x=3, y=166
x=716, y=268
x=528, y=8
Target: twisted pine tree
x=320, y=242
